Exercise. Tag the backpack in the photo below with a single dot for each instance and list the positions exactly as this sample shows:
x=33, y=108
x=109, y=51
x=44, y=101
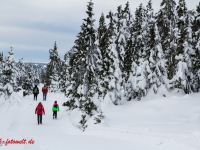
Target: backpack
x=35, y=90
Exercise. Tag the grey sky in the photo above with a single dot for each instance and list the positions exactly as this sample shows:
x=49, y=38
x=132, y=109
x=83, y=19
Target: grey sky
x=32, y=26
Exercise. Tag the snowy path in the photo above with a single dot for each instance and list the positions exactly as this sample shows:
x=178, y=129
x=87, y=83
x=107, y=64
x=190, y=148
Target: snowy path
x=156, y=128
x=21, y=123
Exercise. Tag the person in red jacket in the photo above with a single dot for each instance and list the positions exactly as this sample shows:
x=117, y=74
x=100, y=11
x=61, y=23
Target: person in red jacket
x=45, y=91
x=39, y=110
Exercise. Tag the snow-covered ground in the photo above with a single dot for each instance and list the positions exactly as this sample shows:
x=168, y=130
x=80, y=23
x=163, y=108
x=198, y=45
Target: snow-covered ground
x=154, y=123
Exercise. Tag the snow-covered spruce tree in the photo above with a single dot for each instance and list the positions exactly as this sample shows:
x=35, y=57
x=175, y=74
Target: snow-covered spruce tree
x=103, y=43
x=127, y=20
x=183, y=60
x=42, y=76
x=64, y=76
x=119, y=37
x=129, y=69
x=166, y=21
x=128, y=58
x=48, y=75
x=84, y=68
x=136, y=85
x=179, y=78
x=21, y=72
x=196, y=43
x=75, y=76
x=153, y=54
x=67, y=71
x=122, y=22
x=28, y=82
x=37, y=78
x=9, y=75
x=53, y=70
x=114, y=76
x=107, y=64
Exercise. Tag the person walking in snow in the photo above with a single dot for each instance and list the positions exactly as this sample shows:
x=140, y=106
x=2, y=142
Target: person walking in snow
x=45, y=91
x=55, y=109
x=35, y=92
x=39, y=110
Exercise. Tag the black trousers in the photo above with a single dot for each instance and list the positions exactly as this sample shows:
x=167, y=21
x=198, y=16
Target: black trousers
x=35, y=96
x=55, y=114
x=39, y=118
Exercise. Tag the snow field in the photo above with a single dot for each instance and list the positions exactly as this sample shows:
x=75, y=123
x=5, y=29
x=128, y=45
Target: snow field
x=154, y=123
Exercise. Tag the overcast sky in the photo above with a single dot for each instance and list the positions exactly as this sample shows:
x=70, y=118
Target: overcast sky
x=32, y=26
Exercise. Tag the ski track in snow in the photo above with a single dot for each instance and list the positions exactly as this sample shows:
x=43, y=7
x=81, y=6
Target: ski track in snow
x=19, y=121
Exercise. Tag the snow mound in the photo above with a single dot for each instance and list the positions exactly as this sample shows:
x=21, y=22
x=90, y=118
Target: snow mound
x=75, y=117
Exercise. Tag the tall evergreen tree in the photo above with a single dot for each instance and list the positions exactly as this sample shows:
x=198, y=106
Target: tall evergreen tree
x=196, y=43
x=63, y=77
x=122, y=21
x=84, y=63
x=115, y=74
x=166, y=20
x=28, y=82
x=137, y=80
x=42, y=76
x=183, y=61
x=37, y=78
x=21, y=72
x=68, y=58
x=105, y=63
x=9, y=75
x=120, y=40
x=155, y=65
x=53, y=69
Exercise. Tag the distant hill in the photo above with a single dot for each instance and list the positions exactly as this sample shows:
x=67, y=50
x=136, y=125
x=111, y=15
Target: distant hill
x=36, y=65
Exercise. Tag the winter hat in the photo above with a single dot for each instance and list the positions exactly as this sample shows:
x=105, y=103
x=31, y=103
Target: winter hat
x=55, y=103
